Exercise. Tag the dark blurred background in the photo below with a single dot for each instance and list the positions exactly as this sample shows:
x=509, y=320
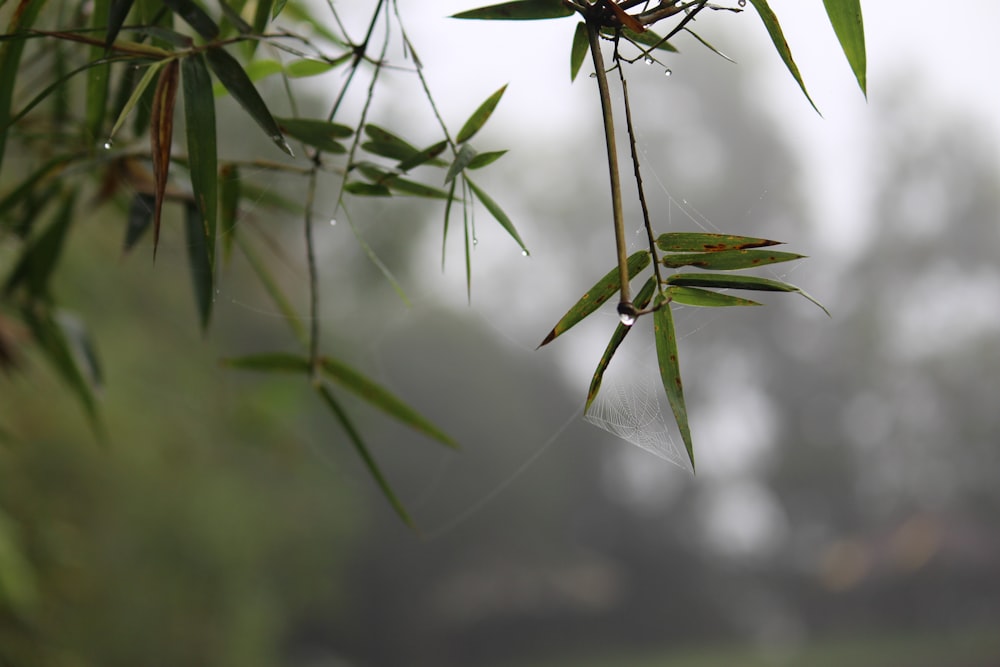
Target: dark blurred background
x=847, y=503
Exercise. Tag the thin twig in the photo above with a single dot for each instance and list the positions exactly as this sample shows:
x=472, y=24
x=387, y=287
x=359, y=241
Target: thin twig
x=625, y=306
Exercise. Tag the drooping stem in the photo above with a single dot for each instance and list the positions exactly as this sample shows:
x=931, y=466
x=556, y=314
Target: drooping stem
x=625, y=307
x=313, y=282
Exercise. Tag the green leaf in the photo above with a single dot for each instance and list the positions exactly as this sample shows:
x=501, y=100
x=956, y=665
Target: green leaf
x=229, y=204
x=298, y=69
x=648, y=39
x=848, y=24
x=670, y=372
x=381, y=398
x=98, y=78
x=262, y=15
x=482, y=159
x=39, y=259
x=519, y=10
x=728, y=280
x=578, y=52
x=140, y=217
x=22, y=18
x=195, y=17
x=51, y=339
x=694, y=296
x=278, y=6
x=200, y=263
x=44, y=174
x=367, y=189
x=137, y=93
x=480, y=116
x=408, y=187
x=320, y=134
x=701, y=242
x=81, y=343
x=729, y=260
x=595, y=297
x=465, y=156
x=774, y=30
x=236, y=81
x=641, y=300
x=365, y=455
x=497, y=213
x=117, y=12
x=426, y=156
x=199, y=113
x=386, y=144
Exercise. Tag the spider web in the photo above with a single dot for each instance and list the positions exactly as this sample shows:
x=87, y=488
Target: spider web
x=631, y=405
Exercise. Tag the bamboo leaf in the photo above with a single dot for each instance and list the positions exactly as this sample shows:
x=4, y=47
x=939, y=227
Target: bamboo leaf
x=670, y=372
x=161, y=133
x=365, y=455
x=367, y=189
x=199, y=114
x=200, y=263
x=727, y=280
x=480, y=116
x=386, y=144
x=22, y=18
x=229, y=203
x=595, y=297
x=381, y=398
x=694, y=296
x=497, y=213
x=778, y=38
x=140, y=217
x=519, y=10
x=137, y=93
x=98, y=82
x=466, y=154
x=641, y=300
x=483, y=159
x=848, y=24
x=299, y=69
x=81, y=343
x=236, y=81
x=262, y=15
x=40, y=257
x=426, y=156
x=320, y=134
x=408, y=187
x=647, y=39
x=701, y=242
x=728, y=260
x=194, y=16
x=578, y=52
x=117, y=12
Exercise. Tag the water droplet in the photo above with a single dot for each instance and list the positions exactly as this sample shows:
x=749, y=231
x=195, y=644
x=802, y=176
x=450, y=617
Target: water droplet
x=648, y=60
x=667, y=72
x=627, y=313
x=107, y=144
x=593, y=75
x=742, y=3
x=333, y=222
x=524, y=253
x=627, y=319
x=475, y=241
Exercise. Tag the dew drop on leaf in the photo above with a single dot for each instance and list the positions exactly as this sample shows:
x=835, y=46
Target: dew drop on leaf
x=667, y=72
x=333, y=222
x=107, y=144
x=524, y=253
x=742, y=3
x=648, y=60
x=627, y=319
x=475, y=241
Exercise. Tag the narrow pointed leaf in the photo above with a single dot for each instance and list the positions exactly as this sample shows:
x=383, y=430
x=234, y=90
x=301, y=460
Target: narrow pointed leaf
x=236, y=81
x=641, y=300
x=695, y=296
x=161, y=134
x=578, y=52
x=426, y=156
x=519, y=10
x=80, y=341
x=848, y=24
x=140, y=88
x=387, y=144
x=648, y=39
x=199, y=114
x=483, y=159
x=365, y=455
x=41, y=256
x=232, y=15
x=320, y=134
x=778, y=38
x=299, y=69
x=117, y=12
x=407, y=187
x=279, y=5
x=480, y=116
x=709, y=46
x=262, y=15
x=670, y=372
x=465, y=156
x=367, y=189
x=729, y=260
x=701, y=242
x=731, y=281
x=22, y=18
x=381, y=398
x=194, y=16
x=593, y=298
x=98, y=78
x=497, y=213
x=140, y=217
x=229, y=203
x=199, y=263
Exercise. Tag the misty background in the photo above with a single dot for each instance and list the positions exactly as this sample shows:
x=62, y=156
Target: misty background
x=847, y=499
